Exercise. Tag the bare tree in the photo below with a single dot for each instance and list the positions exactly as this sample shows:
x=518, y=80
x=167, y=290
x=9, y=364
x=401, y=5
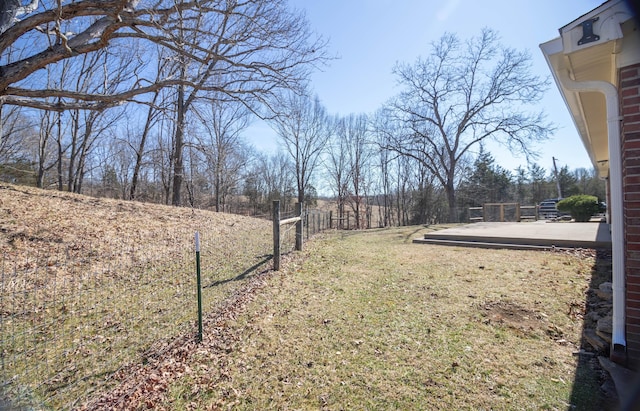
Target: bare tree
x=155, y=108
x=81, y=128
x=91, y=74
x=87, y=127
x=352, y=130
x=47, y=125
x=114, y=165
x=338, y=170
x=383, y=129
x=244, y=50
x=140, y=148
x=163, y=157
x=259, y=48
x=304, y=128
x=40, y=34
x=462, y=94
x=18, y=136
x=260, y=42
x=270, y=178
x=14, y=125
x=224, y=149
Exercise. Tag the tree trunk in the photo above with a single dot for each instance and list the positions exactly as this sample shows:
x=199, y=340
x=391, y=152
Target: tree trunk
x=82, y=154
x=40, y=179
x=73, y=152
x=178, y=167
x=60, y=152
x=218, y=183
x=140, y=151
x=45, y=134
x=300, y=174
x=451, y=199
x=216, y=189
x=80, y=176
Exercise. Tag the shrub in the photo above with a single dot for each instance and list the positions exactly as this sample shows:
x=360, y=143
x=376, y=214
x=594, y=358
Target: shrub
x=581, y=207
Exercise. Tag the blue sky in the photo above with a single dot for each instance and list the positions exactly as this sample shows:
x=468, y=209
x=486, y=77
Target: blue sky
x=371, y=36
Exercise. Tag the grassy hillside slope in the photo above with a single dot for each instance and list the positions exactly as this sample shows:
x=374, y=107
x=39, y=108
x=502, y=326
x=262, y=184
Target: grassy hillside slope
x=33, y=221
x=90, y=285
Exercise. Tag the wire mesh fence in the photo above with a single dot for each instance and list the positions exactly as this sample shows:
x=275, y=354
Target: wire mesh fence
x=317, y=221
x=71, y=317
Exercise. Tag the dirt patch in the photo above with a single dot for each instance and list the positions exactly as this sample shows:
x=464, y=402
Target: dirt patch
x=512, y=315
x=525, y=322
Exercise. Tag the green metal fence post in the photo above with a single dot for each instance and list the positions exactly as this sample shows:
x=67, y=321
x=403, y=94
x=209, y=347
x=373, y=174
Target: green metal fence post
x=299, y=227
x=276, y=235
x=199, y=287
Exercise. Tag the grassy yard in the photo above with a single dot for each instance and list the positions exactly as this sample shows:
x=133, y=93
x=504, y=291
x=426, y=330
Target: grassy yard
x=97, y=308
x=368, y=320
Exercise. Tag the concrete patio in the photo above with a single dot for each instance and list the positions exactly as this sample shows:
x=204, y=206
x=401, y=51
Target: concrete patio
x=542, y=234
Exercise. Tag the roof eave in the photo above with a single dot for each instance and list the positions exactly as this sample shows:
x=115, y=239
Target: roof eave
x=571, y=56
x=554, y=56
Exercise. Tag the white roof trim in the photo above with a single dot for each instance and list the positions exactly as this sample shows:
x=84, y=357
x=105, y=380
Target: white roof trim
x=563, y=52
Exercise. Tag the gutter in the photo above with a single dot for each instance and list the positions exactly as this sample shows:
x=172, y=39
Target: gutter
x=615, y=180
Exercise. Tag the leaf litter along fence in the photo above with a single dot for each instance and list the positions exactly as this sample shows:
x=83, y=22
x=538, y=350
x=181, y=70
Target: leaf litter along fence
x=71, y=319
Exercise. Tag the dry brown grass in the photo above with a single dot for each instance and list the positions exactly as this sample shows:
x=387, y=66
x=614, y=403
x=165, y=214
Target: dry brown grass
x=89, y=285
x=359, y=320
x=370, y=321
x=37, y=222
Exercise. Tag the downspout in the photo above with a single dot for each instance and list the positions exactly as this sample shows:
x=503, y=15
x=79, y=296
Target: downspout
x=615, y=183
x=607, y=200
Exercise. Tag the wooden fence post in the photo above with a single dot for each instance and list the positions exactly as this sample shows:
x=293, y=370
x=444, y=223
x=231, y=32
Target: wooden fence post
x=330, y=219
x=299, y=227
x=306, y=225
x=276, y=235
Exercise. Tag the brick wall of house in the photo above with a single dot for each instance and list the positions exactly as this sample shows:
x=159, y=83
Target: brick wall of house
x=629, y=89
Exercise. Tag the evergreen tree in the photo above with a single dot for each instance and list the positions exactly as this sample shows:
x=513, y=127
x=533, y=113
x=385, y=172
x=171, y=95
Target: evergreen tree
x=486, y=183
x=522, y=186
x=568, y=182
x=540, y=186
